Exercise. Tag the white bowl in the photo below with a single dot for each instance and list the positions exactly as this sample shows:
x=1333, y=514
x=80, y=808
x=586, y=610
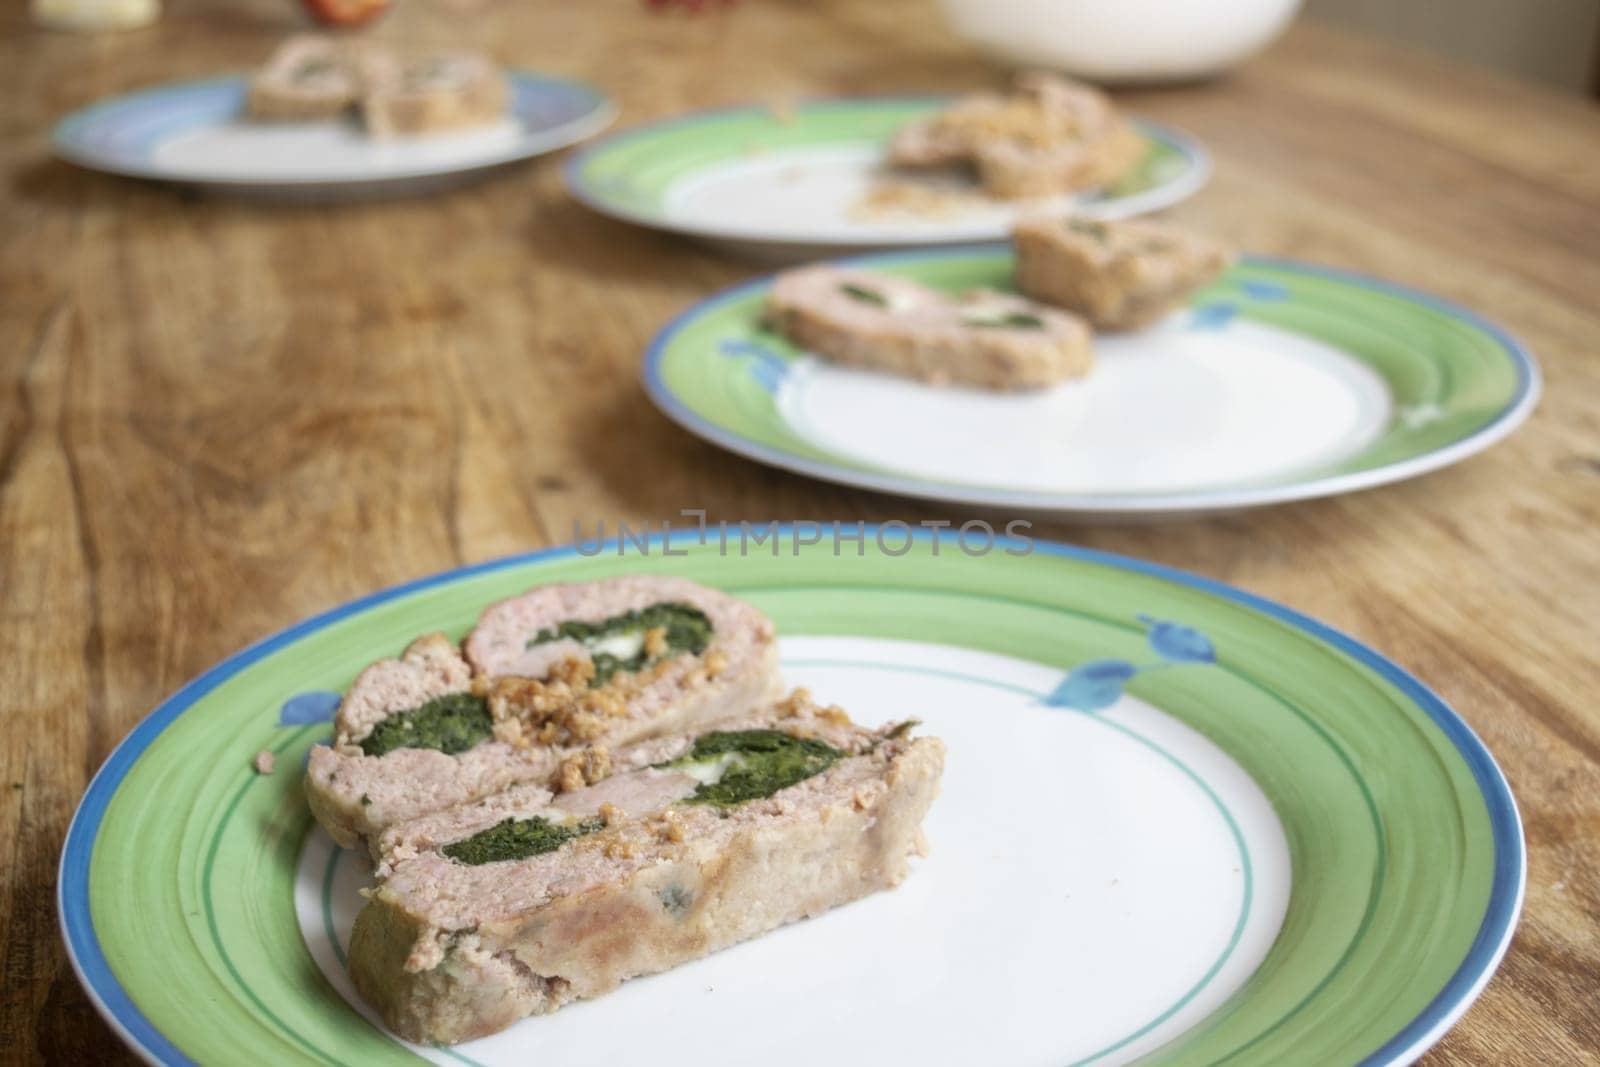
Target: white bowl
x=1121, y=40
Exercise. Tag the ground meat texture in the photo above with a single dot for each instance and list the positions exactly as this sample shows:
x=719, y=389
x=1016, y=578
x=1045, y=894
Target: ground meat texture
x=308, y=77
x=1119, y=275
x=985, y=339
x=1048, y=137
x=448, y=951
x=404, y=95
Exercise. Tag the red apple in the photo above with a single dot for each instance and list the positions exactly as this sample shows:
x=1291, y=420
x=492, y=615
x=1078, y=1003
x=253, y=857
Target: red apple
x=345, y=12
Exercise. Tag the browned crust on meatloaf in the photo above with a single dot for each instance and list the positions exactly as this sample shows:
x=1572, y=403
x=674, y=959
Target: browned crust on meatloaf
x=1120, y=275
x=926, y=334
x=690, y=881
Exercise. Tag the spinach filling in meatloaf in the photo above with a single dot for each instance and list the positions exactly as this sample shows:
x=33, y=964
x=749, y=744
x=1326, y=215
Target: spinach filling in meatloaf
x=517, y=839
x=724, y=767
x=733, y=766
x=628, y=642
x=521, y=902
x=982, y=338
x=542, y=690
x=634, y=640
x=623, y=643
x=450, y=724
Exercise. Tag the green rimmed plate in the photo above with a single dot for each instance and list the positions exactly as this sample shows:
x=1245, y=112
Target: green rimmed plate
x=784, y=183
x=1282, y=381
x=1178, y=821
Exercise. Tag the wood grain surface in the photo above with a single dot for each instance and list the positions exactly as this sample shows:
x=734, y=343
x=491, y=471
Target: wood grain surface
x=218, y=417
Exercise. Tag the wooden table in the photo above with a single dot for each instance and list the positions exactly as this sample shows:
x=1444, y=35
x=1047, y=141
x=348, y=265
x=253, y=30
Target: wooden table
x=217, y=418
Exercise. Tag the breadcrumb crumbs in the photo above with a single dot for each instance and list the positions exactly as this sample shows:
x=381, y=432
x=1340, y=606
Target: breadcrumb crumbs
x=834, y=714
x=668, y=827
x=562, y=709
x=584, y=768
x=620, y=848
x=907, y=199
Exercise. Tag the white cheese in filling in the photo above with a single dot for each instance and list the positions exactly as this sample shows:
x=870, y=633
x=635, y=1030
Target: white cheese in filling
x=989, y=313
x=900, y=302
x=709, y=771
x=624, y=646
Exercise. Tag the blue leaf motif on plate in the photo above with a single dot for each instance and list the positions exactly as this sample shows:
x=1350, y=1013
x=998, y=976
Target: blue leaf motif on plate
x=305, y=708
x=1177, y=643
x=1213, y=316
x=765, y=366
x=1092, y=686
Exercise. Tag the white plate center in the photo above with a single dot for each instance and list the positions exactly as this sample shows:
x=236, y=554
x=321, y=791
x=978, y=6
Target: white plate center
x=1097, y=885
x=1170, y=409
x=331, y=150
x=815, y=194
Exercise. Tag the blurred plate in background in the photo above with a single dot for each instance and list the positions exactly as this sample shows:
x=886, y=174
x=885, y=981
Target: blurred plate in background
x=191, y=132
x=1281, y=381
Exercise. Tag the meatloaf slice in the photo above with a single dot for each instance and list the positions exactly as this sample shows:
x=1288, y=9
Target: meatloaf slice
x=511, y=907
x=1050, y=136
x=1015, y=171
x=985, y=339
x=308, y=77
x=428, y=94
x=1120, y=275
x=434, y=728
